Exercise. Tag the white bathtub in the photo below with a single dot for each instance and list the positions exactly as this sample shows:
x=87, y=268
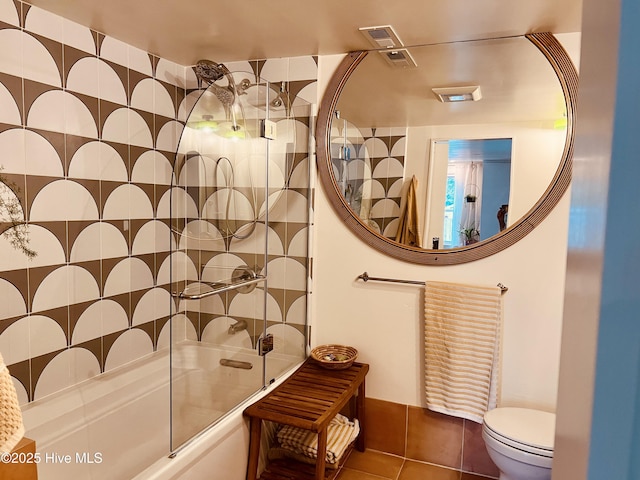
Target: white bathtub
x=117, y=425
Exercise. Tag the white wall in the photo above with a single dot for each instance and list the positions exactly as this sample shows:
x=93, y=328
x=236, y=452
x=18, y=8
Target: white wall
x=384, y=321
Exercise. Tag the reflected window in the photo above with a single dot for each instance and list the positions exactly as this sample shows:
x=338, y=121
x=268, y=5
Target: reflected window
x=449, y=206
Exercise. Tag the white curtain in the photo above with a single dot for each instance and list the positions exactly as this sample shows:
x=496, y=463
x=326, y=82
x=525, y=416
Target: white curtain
x=466, y=215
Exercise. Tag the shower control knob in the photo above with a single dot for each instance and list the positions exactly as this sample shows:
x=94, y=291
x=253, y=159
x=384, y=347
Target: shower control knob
x=265, y=344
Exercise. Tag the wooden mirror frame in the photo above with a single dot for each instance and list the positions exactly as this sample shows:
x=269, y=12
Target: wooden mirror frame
x=568, y=78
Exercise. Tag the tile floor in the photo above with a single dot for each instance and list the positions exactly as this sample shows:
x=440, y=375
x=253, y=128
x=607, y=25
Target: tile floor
x=421, y=437
x=374, y=465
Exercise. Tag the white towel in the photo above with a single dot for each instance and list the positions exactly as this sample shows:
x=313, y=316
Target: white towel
x=462, y=332
x=11, y=426
x=340, y=433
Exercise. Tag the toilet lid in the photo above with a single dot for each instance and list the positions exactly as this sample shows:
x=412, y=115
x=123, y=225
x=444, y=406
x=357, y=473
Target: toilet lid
x=523, y=425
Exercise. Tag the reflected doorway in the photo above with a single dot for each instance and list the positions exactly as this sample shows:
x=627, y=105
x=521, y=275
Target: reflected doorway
x=470, y=187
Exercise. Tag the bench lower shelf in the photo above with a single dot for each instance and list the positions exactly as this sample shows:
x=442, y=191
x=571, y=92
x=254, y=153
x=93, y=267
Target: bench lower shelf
x=290, y=469
x=293, y=470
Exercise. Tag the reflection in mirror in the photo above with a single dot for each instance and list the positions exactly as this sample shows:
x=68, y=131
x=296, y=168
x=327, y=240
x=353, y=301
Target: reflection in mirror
x=388, y=131
x=469, y=185
x=380, y=127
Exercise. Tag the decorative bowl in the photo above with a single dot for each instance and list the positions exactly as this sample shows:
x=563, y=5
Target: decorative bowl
x=334, y=357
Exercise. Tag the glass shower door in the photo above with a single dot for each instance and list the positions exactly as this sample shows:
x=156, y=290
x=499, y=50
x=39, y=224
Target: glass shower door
x=240, y=259
x=219, y=259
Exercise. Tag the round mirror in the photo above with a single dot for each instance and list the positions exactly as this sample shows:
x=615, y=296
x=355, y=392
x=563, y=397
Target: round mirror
x=445, y=154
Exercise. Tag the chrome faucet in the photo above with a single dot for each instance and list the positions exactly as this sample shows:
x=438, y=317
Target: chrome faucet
x=237, y=327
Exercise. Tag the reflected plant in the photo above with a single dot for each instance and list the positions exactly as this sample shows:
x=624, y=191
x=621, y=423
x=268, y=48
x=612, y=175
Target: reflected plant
x=11, y=212
x=471, y=234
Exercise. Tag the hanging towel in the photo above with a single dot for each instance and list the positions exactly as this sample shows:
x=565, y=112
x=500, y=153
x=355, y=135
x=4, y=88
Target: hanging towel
x=409, y=227
x=11, y=426
x=462, y=331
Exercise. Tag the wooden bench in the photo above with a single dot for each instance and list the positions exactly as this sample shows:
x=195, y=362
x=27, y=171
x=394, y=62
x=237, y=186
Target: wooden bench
x=308, y=399
x=23, y=465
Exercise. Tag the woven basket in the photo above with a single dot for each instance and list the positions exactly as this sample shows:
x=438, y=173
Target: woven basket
x=334, y=357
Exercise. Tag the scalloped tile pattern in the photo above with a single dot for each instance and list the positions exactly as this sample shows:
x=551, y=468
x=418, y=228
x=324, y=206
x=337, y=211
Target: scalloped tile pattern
x=89, y=127
x=374, y=171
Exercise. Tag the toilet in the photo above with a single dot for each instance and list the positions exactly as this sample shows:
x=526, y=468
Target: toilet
x=520, y=442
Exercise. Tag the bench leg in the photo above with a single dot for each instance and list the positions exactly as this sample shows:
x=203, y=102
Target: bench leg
x=322, y=454
x=360, y=414
x=255, y=428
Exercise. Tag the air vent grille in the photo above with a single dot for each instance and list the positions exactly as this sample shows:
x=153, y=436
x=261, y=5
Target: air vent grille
x=399, y=58
x=381, y=37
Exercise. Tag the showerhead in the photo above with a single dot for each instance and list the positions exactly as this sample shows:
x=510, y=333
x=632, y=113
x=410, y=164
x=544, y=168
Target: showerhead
x=210, y=71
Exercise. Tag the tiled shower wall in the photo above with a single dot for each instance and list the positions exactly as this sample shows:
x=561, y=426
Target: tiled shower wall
x=88, y=132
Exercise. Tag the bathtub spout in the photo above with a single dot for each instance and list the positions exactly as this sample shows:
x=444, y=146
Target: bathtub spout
x=238, y=327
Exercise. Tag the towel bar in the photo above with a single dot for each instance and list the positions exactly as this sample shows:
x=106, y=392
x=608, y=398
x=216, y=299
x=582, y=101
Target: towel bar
x=365, y=278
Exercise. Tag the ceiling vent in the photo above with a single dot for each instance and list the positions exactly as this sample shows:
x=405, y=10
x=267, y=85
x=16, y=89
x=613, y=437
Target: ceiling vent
x=381, y=37
x=399, y=58
x=458, y=94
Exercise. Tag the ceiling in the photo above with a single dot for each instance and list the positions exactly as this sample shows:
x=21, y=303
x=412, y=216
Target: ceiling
x=517, y=85
x=185, y=32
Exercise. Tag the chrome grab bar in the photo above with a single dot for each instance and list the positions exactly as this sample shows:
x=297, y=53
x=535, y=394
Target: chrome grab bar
x=217, y=288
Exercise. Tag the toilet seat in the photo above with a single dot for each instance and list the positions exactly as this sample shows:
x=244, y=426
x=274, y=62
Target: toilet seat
x=528, y=430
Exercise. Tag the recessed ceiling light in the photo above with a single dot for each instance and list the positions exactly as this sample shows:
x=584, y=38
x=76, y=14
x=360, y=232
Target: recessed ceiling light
x=458, y=94
x=382, y=37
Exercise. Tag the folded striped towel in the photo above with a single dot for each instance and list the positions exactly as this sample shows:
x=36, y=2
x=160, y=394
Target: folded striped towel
x=462, y=339
x=11, y=426
x=340, y=433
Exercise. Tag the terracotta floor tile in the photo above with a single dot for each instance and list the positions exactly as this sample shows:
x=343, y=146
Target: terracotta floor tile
x=423, y=471
x=434, y=438
x=386, y=426
x=348, y=474
x=377, y=463
x=475, y=458
x=471, y=476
